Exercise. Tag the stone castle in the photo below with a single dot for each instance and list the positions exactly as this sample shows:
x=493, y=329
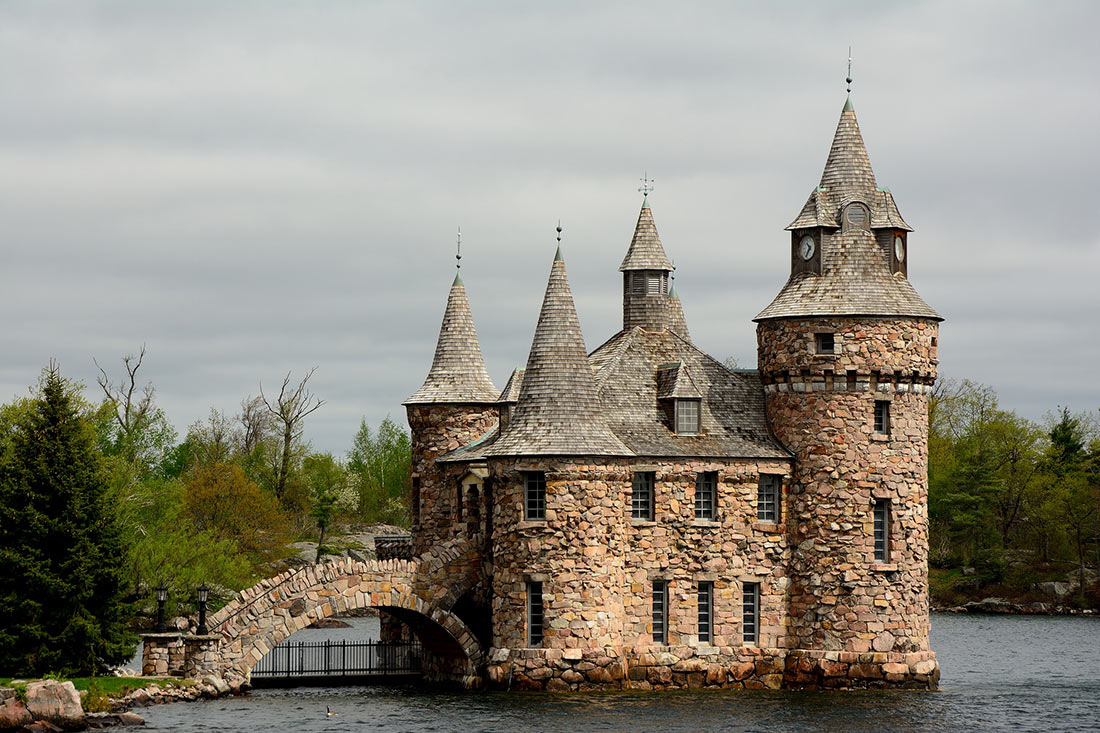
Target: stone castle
x=644, y=517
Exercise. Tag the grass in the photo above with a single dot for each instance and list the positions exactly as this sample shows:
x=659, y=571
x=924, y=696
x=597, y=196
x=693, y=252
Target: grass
x=113, y=686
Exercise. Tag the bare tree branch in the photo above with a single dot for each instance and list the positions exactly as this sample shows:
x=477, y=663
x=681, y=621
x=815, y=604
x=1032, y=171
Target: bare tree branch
x=289, y=409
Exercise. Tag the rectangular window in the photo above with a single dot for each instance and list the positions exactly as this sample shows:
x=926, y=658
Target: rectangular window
x=825, y=343
x=534, y=613
x=687, y=417
x=416, y=500
x=706, y=612
x=882, y=530
x=660, y=611
x=750, y=613
x=767, y=498
x=637, y=284
x=706, y=487
x=882, y=417
x=641, y=495
x=534, y=495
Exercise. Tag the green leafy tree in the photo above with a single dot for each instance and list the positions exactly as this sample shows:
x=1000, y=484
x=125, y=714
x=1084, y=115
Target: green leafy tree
x=61, y=549
x=380, y=467
x=329, y=492
x=220, y=499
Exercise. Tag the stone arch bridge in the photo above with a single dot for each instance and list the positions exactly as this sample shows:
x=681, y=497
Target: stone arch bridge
x=420, y=593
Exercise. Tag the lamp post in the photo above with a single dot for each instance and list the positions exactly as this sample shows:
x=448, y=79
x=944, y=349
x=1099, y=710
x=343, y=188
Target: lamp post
x=204, y=593
x=162, y=596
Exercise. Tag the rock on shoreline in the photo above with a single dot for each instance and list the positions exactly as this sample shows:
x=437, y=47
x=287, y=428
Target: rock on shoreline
x=1005, y=606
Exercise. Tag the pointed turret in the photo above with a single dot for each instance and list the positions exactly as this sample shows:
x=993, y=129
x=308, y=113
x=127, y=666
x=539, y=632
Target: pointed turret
x=848, y=169
x=458, y=374
x=849, y=249
x=646, y=268
x=646, y=252
x=676, y=321
x=558, y=410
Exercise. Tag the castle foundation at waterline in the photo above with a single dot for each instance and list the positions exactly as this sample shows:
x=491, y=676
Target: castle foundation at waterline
x=643, y=517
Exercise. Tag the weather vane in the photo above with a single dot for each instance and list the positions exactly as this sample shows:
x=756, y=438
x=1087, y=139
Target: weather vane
x=647, y=184
x=458, y=251
x=849, y=79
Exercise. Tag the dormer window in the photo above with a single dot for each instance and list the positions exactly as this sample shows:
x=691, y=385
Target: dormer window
x=856, y=217
x=687, y=417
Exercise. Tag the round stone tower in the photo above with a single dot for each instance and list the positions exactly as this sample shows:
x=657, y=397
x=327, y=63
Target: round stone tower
x=455, y=406
x=847, y=356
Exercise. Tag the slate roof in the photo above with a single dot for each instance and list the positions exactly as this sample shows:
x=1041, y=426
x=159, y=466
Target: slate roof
x=856, y=276
x=676, y=320
x=558, y=411
x=510, y=393
x=674, y=380
x=458, y=374
x=630, y=380
x=645, y=251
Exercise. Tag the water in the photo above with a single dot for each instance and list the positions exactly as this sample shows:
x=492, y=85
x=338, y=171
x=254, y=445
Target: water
x=1019, y=673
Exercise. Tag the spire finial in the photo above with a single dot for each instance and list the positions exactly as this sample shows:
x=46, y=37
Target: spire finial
x=458, y=251
x=647, y=184
x=557, y=255
x=849, y=79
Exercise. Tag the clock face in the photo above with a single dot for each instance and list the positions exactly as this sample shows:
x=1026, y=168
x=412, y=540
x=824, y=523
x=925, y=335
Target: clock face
x=807, y=247
x=899, y=249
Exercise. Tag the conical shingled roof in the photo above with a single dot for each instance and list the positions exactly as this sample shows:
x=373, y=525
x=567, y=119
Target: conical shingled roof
x=458, y=374
x=848, y=169
x=558, y=412
x=646, y=252
x=676, y=320
x=856, y=277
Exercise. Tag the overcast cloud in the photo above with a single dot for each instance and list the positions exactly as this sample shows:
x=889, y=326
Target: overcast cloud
x=252, y=188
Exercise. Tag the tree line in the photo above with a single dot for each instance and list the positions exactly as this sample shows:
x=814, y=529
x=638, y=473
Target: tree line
x=1014, y=501
x=101, y=501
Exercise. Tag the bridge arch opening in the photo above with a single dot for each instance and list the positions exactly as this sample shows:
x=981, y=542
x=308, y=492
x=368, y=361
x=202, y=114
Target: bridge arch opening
x=273, y=610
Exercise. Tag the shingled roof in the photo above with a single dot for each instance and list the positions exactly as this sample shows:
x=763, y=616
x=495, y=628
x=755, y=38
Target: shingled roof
x=458, y=374
x=558, y=411
x=856, y=277
x=645, y=252
x=638, y=368
x=676, y=320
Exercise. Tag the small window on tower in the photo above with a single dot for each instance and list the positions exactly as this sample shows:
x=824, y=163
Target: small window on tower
x=641, y=495
x=654, y=285
x=882, y=417
x=637, y=284
x=825, y=343
x=534, y=496
x=534, y=613
x=882, y=530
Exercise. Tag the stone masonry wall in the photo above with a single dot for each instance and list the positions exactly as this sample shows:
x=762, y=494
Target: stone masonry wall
x=822, y=408
x=597, y=567
x=435, y=430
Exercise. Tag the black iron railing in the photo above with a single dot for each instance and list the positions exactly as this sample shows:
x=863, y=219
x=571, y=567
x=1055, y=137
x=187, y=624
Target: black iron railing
x=393, y=547
x=340, y=658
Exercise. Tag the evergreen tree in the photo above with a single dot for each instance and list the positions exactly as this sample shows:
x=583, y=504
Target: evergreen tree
x=61, y=549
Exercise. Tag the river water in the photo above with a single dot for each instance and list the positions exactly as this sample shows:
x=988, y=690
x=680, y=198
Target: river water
x=1015, y=673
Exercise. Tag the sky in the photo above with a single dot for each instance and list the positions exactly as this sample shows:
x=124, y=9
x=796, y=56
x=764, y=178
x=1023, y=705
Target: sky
x=250, y=189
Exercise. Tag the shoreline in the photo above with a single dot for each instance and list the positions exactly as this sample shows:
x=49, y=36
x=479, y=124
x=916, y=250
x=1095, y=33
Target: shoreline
x=1005, y=607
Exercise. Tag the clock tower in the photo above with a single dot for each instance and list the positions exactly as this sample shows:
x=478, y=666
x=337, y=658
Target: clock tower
x=847, y=356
